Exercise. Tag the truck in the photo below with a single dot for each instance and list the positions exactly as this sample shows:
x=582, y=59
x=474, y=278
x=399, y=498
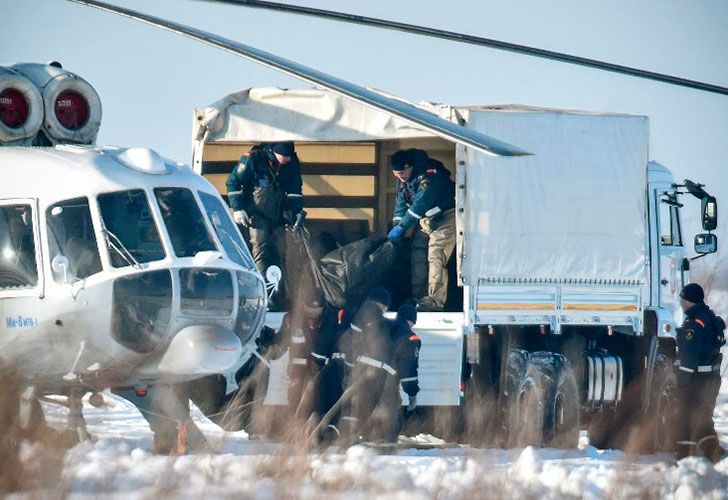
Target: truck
x=569, y=261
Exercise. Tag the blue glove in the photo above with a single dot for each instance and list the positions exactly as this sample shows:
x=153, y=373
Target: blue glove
x=396, y=232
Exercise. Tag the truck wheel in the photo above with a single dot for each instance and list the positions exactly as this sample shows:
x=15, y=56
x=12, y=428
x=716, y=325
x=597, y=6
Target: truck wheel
x=662, y=416
x=526, y=421
x=563, y=413
x=544, y=410
x=513, y=396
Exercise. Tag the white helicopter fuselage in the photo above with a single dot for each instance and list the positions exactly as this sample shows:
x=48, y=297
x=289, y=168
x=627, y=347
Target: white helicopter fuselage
x=119, y=269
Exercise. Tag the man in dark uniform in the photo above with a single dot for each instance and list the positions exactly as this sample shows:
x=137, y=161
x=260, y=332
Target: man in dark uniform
x=425, y=194
x=337, y=376
x=299, y=332
x=699, y=340
x=265, y=194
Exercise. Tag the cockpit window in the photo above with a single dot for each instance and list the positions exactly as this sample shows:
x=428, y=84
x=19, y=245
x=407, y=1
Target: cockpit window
x=131, y=235
x=74, y=252
x=184, y=221
x=18, y=266
x=227, y=233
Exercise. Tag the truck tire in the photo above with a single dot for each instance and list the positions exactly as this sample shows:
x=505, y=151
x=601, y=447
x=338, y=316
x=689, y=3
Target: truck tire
x=661, y=416
x=563, y=411
x=544, y=408
x=513, y=396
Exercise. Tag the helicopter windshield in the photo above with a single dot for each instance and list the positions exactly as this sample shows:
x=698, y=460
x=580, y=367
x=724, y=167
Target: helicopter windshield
x=71, y=235
x=227, y=233
x=128, y=221
x=184, y=222
x=18, y=268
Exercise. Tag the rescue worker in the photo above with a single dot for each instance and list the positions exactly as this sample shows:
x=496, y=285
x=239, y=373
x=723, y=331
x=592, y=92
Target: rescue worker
x=425, y=195
x=265, y=194
x=699, y=340
x=298, y=332
x=336, y=409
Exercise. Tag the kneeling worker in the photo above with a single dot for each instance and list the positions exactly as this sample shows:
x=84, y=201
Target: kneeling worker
x=425, y=194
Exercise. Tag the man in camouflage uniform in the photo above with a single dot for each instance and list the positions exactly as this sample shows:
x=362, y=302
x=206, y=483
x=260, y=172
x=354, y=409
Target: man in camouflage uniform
x=425, y=194
x=699, y=340
x=265, y=194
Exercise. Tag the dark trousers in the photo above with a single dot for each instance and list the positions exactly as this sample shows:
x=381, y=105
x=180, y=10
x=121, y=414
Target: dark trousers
x=330, y=389
x=376, y=405
x=696, y=395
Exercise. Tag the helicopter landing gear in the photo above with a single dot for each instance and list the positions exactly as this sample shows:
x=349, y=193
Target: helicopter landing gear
x=76, y=420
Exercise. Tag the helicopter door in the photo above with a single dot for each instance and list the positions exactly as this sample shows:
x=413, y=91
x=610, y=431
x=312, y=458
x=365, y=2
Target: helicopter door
x=20, y=272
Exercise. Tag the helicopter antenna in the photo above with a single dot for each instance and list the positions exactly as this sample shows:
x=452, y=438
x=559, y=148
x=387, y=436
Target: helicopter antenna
x=481, y=41
x=412, y=114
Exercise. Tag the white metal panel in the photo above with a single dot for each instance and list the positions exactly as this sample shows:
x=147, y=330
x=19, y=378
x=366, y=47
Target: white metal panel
x=440, y=358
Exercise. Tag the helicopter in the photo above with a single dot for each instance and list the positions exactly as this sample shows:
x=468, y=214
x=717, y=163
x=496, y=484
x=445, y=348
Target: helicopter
x=118, y=268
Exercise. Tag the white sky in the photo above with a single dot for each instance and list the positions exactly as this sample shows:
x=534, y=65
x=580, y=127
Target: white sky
x=151, y=80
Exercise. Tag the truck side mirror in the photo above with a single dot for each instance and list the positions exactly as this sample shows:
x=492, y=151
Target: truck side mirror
x=706, y=243
x=709, y=207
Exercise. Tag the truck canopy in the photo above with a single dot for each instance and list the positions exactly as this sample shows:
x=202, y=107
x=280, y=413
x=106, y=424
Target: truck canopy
x=574, y=212
x=275, y=114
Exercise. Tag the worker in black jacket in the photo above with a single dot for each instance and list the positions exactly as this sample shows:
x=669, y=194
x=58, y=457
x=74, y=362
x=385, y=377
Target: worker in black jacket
x=699, y=340
x=299, y=332
x=426, y=202
x=338, y=378
x=265, y=193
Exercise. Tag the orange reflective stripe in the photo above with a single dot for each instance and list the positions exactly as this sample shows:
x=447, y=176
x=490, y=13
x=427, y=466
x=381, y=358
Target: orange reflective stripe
x=414, y=337
x=341, y=315
x=700, y=322
x=431, y=171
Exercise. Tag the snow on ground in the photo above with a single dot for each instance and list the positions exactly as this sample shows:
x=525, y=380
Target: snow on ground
x=120, y=464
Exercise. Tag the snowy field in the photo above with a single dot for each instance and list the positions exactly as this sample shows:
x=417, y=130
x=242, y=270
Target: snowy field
x=120, y=464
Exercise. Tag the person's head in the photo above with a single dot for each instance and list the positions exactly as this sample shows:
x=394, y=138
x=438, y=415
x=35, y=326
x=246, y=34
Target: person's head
x=380, y=296
x=407, y=313
x=691, y=294
x=404, y=161
x=283, y=151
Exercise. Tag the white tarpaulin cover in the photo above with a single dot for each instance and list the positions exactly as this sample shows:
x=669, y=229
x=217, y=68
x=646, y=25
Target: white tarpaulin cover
x=273, y=114
x=573, y=210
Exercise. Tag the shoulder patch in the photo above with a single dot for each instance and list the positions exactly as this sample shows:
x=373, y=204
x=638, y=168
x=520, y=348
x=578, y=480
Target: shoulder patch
x=424, y=183
x=689, y=334
x=241, y=168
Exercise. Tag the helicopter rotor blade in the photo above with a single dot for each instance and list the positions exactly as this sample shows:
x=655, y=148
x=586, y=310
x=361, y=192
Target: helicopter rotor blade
x=419, y=117
x=481, y=41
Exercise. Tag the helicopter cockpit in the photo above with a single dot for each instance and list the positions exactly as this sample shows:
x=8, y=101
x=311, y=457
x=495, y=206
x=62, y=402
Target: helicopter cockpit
x=149, y=254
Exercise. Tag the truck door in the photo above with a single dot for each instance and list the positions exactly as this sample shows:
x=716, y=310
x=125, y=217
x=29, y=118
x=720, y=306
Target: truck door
x=670, y=250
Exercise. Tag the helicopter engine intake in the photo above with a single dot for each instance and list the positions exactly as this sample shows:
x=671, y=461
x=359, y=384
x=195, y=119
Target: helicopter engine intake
x=21, y=109
x=71, y=106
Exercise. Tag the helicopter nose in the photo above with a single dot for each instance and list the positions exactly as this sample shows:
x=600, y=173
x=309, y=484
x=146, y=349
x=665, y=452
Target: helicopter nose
x=201, y=350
